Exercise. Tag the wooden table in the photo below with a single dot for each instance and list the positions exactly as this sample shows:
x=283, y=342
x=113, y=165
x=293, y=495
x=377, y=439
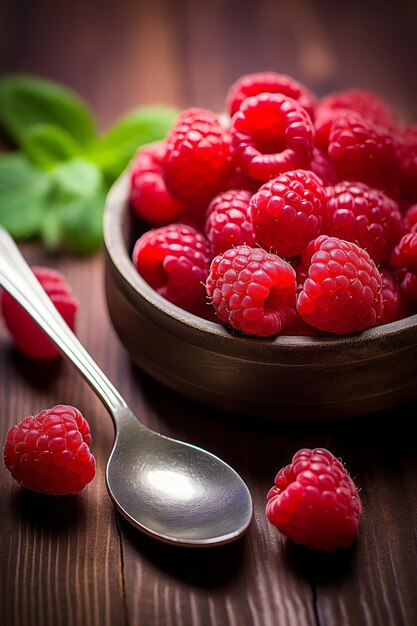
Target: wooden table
x=74, y=561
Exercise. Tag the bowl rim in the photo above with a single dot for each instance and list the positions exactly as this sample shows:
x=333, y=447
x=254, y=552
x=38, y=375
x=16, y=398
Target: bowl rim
x=117, y=204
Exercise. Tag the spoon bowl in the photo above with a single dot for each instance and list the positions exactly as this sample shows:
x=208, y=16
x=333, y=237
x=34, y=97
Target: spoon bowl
x=173, y=491
x=195, y=500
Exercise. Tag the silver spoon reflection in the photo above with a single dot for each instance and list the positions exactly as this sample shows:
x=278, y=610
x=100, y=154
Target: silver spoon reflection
x=171, y=490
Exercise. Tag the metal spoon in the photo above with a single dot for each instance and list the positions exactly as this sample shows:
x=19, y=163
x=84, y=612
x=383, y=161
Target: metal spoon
x=171, y=490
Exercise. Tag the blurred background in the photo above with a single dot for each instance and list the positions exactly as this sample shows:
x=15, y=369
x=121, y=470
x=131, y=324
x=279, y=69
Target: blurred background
x=119, y=54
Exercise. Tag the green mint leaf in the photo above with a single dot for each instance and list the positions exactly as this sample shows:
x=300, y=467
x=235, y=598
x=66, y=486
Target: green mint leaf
x=23, y=192
x=26, y=100
x=47, y=145
x=74, y=210
x=75, y=179
x=113, y=151
x=83, y=223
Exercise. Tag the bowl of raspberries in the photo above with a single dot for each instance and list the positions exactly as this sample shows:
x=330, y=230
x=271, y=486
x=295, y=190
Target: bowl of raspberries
x=264, y=260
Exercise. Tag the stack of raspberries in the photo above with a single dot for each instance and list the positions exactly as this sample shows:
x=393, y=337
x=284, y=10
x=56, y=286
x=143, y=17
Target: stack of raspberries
x=284, y=215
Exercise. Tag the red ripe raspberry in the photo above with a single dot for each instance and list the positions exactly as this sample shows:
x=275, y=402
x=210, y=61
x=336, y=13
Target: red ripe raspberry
x=366, y=216
x=271, y=134
x=396, y=306
x=149, y=196
x=410, y=218
x=227, y=221
x=408, y=161
x=361, y=151
x=270, y=82
x=286, y=212
x=404, y=254
x=368, y=104
x=252, y=291
x=239, y=180
x=174, y=260
x=315, y=502
x=409, y=285
x=342, y=293
x=26, y=334
x=50, y=452
x=198, y=158
x=323, y=125
x=322, y=166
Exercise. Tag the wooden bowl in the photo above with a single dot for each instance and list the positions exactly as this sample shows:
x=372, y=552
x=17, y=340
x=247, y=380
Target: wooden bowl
x=285, y=377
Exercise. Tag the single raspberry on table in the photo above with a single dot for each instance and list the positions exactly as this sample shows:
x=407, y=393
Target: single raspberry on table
x=343, y=291
x=50, y=452
x=252, y=291
x=198, y=159
x=227, y=221
x=286, y=212
x=362, y=151
x=149, y=195
x=271, y=134
x=356, y=212
x=174, y=260
x=26, y=334
x=315, y=502
x=368, y=104
x=270, y=82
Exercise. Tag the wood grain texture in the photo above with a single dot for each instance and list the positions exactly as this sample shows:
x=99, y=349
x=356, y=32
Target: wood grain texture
x=73, y=561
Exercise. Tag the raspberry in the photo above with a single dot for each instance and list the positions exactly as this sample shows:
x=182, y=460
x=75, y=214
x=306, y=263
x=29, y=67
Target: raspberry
x=26, y=334
x=323, y=125
x=408, y=161
x=368, y=104
x=342, y=293
x=271, y=82
x=361, y=151
x=174, y=260
x=252, y=291
x=396, y=305
x=271, y=134
x=366, y=216
x=410, y=218
x=315, y=502
x=149, y=196
x=239, y=180
x=409, y=285
x=198, y=158
x=405, y=253
x=227, y=221
x=322, y=166
x=286, y=212
x=50, y=453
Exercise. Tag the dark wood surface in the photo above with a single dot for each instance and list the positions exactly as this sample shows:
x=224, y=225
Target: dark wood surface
x=72, y=560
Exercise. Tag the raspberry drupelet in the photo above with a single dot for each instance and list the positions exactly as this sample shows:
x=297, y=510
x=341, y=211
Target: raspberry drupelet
x=343, y=291
x=252, y=291
x=26, y=334
x=271, y=134
x=149, y=195
x=271, y=82
x=286, y=212
x=198, y=159
x=174, y=260
x=356, y=212
x=227, y=221
x=315, y=502
x=50, y=452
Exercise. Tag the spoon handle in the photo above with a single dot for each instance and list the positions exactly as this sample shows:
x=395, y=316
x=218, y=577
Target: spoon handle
x=17, y=278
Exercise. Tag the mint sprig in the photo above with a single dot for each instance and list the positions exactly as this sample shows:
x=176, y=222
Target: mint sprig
x=54, y=186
